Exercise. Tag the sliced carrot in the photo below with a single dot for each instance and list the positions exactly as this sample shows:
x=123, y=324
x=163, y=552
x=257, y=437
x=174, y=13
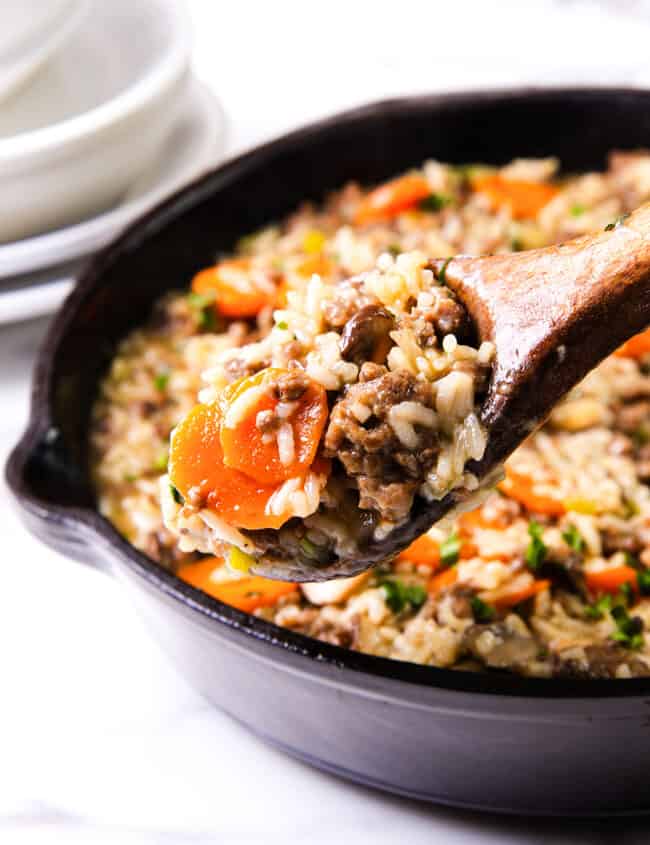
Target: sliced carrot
x=517, y=596
x=235, y=293
x=246, y=594
x=443, y=580
x=422, y=552
x=391, y=198
x=636, y=347
x=247, y=449
x=522, y=488
x=524, y=199
x=470, y=521
x=196, y=468
x=319, y=264
x=611, y=580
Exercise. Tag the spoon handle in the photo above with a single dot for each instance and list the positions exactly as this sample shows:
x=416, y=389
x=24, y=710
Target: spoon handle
x=553, y=314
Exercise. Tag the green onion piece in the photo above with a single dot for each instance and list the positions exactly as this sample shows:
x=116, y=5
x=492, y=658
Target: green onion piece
x=616, y=223
x=573, y=538
x=482, y=611
x=160, y=464
x=239, y=561
x=627, y=593
x=160, y=381
x=442, y=275
x=600, y=607
x=537, y=550
x=643, y=581
x=434, y=202
x=629, y=629
x=577, y=209
x=283, y=325
x=176, y=496
x=399, y=596
x=450, y=550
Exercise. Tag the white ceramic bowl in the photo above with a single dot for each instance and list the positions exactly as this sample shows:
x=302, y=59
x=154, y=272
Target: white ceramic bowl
x=74, y=140
x=29, y=33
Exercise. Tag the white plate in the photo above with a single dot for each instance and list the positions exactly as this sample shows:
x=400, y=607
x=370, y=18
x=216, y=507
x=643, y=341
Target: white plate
x=75, y=139
x=194, y=146
x=30, y=33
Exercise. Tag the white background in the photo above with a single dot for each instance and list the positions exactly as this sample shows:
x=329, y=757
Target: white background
x=100, y=740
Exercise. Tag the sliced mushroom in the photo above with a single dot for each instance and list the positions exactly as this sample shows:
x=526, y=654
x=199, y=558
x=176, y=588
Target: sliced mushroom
x=366, y=335
x=498, y=646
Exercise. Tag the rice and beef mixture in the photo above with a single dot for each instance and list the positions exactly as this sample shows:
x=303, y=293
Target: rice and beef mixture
x=548, y=577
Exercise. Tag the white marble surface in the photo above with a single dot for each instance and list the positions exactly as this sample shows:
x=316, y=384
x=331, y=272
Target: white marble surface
x=100, y=740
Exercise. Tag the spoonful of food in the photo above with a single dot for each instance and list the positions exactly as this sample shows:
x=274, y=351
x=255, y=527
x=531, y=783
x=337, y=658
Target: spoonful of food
x=394, y=398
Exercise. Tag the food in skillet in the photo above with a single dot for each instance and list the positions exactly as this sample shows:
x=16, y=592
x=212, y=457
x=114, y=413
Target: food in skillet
x=461, y=584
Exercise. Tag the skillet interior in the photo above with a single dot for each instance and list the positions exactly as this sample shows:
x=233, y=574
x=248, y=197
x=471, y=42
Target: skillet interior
x=48, y=471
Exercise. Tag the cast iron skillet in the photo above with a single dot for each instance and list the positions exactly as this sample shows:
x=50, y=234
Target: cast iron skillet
x=489, y=741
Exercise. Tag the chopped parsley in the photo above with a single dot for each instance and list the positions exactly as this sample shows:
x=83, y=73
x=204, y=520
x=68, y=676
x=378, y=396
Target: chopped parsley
x=206, y=315
x=450, y=550
x=643, y=581
x=160, y=381
x=573, y=538
x=482, y=611
x=537, y=550
x=283, y=325
x=516, y=244
x=399, y=595
x=616, y=223
x=176, y=496
x=577, y=209
x=626, y=592
x=160, y=464
x=600, y=607
x=434, y=202
x=442, y=275
x=629, y=629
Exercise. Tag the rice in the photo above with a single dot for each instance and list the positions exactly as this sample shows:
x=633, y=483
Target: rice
x=590, y=464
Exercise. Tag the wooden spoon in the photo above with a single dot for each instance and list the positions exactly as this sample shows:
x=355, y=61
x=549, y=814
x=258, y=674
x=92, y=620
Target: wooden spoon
x=553, y=314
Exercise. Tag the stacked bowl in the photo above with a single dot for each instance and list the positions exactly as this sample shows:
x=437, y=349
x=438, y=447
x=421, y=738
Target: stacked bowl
x=100, y=118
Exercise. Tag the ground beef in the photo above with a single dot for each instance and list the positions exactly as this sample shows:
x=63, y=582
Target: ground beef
x=444, y=316
x=236, y=368
x=387, y=474
x=290, y=387
x=350, y=298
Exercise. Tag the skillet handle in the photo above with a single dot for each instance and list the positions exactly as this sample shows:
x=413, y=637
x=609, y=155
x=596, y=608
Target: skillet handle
x=52, y=496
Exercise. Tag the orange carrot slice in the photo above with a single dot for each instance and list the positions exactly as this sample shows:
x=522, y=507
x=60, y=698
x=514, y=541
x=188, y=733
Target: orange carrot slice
x=636, y=347
x=247, y=594
x=197, y=469
x=522, y=488
x=611, y=580
x=422, y=552
x=442, y=581
x=247, y=449
x=393, y=197
x=517, y=596
x=470, y=521
x=524, y=199
x=319, y=264
x=235, y=293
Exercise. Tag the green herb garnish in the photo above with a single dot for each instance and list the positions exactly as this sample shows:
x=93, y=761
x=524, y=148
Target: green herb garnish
x=442, y=275
x=160, y=464
x=628, y=628
x=394, y=249
x=643, y=581
x=573, y=538
x=160, y=381
x=600, y=607
x=616, y=223
x=176, y=496
x=577, y=209
x=434, y=202
x=537, y=550
x=399, y=596
x=450, y=550
x=516, y=244
x=283, y=325
x=202, y=304
x=626, y=592
x=482, y=611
